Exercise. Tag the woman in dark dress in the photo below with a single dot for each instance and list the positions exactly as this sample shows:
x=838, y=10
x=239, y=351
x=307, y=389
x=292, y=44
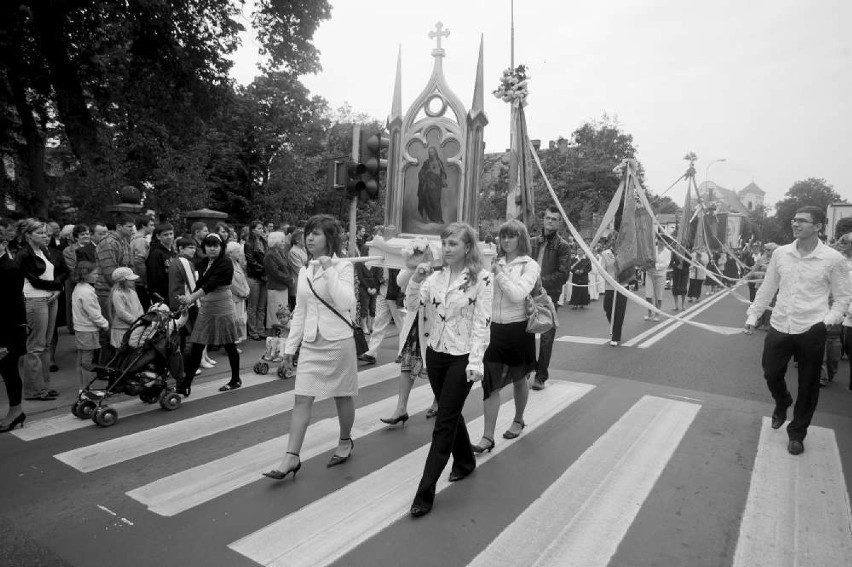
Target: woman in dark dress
x=13, y=334
x=216, y=323
x=580, y=281
x=680, y=279
x=730, y=269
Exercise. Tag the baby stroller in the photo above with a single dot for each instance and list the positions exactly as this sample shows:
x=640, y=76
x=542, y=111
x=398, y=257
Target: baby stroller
x=148, y=355
x=275, y=345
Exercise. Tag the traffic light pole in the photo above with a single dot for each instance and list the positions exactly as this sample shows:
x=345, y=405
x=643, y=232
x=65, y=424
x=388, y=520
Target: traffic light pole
x=353, y=202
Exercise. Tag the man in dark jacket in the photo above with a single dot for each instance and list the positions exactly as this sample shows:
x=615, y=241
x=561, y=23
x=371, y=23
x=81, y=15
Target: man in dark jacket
x=159, y=259
x=554, y=256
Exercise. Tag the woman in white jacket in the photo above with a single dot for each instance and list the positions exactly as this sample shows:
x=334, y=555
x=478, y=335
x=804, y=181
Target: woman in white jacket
x=456, y=304
x=327, y=361
x=510, y=356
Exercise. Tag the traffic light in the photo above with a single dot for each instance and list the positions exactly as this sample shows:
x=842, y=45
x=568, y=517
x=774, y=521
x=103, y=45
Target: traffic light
x=374, y=164
x=355, y=185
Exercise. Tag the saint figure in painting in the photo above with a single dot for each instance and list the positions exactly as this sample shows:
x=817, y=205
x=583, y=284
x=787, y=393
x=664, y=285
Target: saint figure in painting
x=432, y=180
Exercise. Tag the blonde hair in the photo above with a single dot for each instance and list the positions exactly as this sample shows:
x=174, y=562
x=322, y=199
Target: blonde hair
x=473, y=259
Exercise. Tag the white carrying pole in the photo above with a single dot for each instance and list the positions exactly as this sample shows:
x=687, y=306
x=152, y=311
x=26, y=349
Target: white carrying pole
x=335, y=261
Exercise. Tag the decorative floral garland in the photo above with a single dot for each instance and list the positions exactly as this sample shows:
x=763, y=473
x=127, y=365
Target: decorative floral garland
x=513, y=85
x=415, y=247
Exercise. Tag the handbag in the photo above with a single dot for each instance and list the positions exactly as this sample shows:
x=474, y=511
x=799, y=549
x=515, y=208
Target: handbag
x=541, y=313
x=361, y=345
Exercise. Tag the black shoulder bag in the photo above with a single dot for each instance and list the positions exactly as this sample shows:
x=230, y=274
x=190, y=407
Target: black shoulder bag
x=361, y=345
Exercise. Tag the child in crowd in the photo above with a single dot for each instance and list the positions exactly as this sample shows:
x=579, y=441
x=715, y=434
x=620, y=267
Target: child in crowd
x=124, y=304
x=88, y=318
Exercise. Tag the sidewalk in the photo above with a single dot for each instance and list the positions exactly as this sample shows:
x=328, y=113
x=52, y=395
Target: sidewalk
x=65, y=379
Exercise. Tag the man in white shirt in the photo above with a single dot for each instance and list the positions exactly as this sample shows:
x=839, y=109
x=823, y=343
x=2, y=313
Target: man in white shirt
x=803, y=273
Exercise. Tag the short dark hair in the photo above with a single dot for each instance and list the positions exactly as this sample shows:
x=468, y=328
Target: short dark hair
x=124, y=219
x=185, y=241
x=817, y=214
x=554, y=210
x=78, y=230
x=196, y=226
x=162, y=227
x=83, y=269
x=142, y=222
x=330, y=228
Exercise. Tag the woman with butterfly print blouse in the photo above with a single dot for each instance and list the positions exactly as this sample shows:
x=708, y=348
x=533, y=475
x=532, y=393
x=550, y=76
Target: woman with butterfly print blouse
x=457, y=315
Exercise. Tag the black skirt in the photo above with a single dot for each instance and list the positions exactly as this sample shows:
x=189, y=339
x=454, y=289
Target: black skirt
x=510, y=356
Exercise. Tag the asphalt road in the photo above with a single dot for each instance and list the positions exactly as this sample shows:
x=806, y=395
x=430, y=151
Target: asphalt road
x=651, y=454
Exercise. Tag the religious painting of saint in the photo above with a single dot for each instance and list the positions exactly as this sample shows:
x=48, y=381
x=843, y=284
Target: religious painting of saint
x=432, y=181
x=431, y=187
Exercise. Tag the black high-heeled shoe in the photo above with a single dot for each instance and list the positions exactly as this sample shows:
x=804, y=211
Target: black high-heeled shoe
x=394, y=420
x=14, y=423
x=509, y=434
x=281, y=475
x=230, y=386
x=477, y=449
x=337, y=459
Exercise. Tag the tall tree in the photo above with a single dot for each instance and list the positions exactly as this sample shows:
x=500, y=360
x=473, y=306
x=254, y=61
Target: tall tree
x=811, y=191
x=135, y=85
x=581, y=171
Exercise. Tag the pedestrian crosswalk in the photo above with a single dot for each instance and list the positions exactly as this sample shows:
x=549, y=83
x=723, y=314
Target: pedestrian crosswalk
x=797, y=509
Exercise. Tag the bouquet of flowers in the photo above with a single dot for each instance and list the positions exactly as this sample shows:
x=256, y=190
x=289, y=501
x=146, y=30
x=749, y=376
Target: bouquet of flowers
x=416, y=251
x=513, y=85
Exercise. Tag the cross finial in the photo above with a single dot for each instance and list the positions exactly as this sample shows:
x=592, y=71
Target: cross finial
x=438, y=34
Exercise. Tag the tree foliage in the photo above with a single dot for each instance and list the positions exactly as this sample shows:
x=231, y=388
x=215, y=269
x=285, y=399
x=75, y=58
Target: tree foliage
x=811, y=191
x=766, y=228
x=842, y=227
x=580, y=171
x=141, y=93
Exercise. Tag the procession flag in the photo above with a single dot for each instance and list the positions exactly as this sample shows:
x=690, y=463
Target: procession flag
x=519, y=201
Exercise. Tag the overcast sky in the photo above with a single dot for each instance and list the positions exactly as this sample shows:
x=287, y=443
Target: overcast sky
x=766, y=84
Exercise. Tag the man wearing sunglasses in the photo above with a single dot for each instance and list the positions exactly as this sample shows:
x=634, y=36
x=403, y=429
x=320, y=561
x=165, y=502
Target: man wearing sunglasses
x=804, y=273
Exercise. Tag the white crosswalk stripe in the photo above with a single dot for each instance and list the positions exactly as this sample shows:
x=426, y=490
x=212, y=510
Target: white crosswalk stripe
x=126, y=408
x=583, y=516
x=118, y=450
x=327, y=529
x=181, y=491
x=797, y=511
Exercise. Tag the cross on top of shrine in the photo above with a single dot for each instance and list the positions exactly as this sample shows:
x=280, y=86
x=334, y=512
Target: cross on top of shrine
x=437, y=34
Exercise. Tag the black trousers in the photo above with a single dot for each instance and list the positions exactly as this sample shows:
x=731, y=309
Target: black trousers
x=448, y=378
x=12, y=377
x=616, y=318
x=192, y=360
x=808, y=348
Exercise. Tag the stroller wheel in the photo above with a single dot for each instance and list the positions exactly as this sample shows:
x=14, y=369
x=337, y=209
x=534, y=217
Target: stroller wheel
x=105, y=417
x=170, y=401
x=83, y=409
x=261, y=368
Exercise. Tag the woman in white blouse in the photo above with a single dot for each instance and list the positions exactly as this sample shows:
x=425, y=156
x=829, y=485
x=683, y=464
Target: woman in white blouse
x=510, y=356
x=327, y=362
x=457, y=314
